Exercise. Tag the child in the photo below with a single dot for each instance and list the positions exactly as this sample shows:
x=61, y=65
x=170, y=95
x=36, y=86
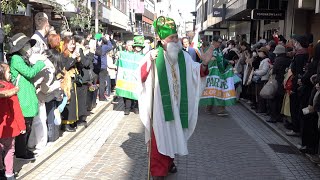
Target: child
x=12, y=122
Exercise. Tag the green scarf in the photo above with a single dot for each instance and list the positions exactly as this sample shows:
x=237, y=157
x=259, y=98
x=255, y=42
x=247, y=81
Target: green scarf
x=164, y=88
x=221, y=62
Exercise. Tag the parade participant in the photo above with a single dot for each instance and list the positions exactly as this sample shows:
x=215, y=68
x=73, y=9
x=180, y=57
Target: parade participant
x=179, y=82
x=126, y=79
x=22, y=72
x=138, y=47
x=220, y=89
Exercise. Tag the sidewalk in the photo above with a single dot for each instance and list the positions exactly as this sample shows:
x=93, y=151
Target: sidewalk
x=276, y=127
x=23, y=168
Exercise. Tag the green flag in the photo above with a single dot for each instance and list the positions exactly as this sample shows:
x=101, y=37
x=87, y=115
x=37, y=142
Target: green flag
x=127, y=78
x=220, y=90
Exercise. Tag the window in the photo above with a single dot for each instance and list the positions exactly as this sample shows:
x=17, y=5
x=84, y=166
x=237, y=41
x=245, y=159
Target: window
x=121, y=5
x=116, y=4
x=205, y=14
x=210, y=6
x=108, y=2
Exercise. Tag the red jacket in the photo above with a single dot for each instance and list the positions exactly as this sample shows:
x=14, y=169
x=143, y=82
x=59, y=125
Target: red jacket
x=11, y=118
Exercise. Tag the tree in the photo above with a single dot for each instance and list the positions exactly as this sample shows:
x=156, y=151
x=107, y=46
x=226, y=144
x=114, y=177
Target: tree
x=10, y=6
x=82, y=18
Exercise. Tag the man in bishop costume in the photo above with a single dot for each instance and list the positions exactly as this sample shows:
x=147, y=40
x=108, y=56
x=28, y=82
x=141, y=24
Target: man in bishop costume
x=179, y=83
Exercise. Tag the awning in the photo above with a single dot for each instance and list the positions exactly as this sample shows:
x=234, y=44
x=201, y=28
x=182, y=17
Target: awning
x=66, y=5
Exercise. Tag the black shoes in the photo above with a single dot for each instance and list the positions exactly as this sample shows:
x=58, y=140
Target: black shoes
x=2, y=173
x=27, y=157
x=271, y=120
x=68, y=128
x=173, y=169
x=82, y=123
x=126, y=112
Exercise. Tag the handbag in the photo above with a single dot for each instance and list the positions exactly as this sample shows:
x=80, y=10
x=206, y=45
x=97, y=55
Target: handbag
x=269, y=89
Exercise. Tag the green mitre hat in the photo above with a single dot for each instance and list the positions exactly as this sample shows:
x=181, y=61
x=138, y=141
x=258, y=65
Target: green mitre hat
x=138, y=41
x=164, y=27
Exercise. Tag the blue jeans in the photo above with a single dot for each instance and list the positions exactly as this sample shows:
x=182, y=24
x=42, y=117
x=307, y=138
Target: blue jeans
x=108, y=88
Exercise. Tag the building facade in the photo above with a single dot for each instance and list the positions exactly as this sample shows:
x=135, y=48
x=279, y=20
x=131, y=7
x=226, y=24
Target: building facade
x=249, y=20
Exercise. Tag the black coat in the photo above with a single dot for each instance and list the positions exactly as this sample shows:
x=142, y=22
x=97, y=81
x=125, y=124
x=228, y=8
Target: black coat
x=86, y=67
x=297, y=67
x=281, y=63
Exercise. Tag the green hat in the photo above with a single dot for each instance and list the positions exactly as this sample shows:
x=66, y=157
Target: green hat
x=164, y=27
x=138, y=41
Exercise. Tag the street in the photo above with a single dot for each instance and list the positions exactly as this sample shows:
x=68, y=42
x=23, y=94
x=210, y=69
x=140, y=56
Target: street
x=238, y=146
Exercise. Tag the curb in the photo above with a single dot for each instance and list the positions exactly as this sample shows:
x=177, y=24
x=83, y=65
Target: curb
x=80, y=129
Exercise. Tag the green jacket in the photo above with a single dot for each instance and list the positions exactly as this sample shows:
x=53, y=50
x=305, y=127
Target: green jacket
x=27, y=92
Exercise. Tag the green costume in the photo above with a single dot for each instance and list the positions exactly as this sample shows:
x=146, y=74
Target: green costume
x=165, y=27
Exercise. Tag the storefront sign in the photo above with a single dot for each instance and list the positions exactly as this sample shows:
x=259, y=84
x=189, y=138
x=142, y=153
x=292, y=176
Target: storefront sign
x=267, y=14
x=217, y=12
x=208, y=33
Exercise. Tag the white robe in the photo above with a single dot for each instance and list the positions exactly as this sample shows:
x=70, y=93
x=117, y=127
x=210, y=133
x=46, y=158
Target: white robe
x=171, y=138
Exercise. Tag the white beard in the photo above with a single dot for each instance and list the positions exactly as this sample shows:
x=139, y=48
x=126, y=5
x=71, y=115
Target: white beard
x=172, y=52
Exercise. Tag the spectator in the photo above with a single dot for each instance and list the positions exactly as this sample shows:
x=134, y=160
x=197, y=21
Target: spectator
x=103, y=74
x=271, y=46
x=309, y=121
x=190, y=50
x=281, y=63
x=22, y=72
x=297, y=67
x=85, y=69
x=42, y=30
x=231, y=53
x=38, y=137
x=12, y=123
x=261, y=76
x=71, y=78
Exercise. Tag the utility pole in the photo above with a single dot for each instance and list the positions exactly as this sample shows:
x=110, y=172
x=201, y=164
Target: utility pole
x=97, y=16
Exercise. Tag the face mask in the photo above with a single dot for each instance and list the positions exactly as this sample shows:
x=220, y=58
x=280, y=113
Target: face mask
x=26, y=50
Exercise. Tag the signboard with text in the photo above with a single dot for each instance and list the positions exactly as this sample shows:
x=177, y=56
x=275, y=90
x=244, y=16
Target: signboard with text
x=267, y=14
